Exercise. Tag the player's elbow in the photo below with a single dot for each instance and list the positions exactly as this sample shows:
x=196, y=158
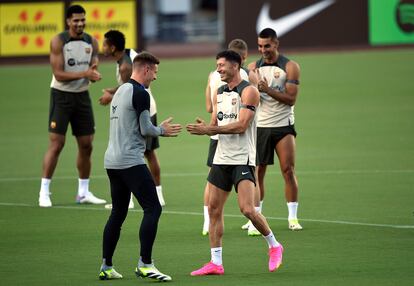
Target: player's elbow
x=59, y=77
x=146, y=132
x=241, y=128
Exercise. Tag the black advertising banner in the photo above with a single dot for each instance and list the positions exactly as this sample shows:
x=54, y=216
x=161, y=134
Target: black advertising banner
x=304, y=23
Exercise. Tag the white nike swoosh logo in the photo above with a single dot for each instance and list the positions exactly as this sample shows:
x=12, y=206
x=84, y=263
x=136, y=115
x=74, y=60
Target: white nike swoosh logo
x=244, y=173
x=286, y=23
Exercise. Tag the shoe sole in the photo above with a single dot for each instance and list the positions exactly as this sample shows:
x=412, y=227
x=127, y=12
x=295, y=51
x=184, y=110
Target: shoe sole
x=254, y=234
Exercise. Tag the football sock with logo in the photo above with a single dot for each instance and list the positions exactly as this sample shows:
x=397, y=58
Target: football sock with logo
x=271, y=240
x=44, y=186
x=216, y=255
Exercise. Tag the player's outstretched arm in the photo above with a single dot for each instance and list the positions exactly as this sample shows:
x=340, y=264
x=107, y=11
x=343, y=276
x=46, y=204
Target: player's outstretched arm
x=170, y=129
x=198, y=128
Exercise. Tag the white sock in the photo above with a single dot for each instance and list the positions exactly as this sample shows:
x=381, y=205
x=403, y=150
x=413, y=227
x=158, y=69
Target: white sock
x=83, y=187
x=160, y=196
x=261, y=206
x=257, y=209
x=271, y=240
x=293, y=210
x=206, y=219
x=216, y=255
x=44, y=186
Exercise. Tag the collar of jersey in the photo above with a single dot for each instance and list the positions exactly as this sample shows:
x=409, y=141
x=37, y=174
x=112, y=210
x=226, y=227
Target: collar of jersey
x=136, y=83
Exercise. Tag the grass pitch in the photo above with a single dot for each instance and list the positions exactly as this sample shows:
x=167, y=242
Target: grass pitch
x=354, y=118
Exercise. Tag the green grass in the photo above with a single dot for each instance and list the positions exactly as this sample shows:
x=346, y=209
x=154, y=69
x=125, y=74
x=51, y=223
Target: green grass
x=354, y=117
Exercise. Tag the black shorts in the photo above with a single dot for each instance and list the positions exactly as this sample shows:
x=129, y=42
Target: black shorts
x=152, y=143
x=70, y=107
x=225, y=176
x=267, y=139
x=211, y=151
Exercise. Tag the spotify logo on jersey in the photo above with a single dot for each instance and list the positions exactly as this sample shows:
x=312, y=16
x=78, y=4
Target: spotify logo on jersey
x=71, y=62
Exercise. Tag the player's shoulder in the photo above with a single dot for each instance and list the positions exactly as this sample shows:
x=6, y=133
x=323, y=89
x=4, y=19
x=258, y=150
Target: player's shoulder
x=57, y=42
x=126, y=87
x=245, y=86
x=60, y=38
x=291, y=64
x=248, y=87
x=287, y=62
x=249, y=93
x=89, y=38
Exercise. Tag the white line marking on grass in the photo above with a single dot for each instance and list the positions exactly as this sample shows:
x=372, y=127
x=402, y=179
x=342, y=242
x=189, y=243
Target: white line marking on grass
x=198, y=174
x=89, y=208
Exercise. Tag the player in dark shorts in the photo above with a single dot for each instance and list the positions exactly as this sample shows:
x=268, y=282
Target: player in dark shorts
x=234, y=120
x=278, y=83
x=74, y=61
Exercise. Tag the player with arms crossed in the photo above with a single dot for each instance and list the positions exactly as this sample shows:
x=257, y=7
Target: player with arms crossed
x=234, y=161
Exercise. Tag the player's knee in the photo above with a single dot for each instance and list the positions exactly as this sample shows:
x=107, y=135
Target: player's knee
x=86, y=148
x=155, y=210
x=288, y=172
x=117, y=217
x=57, y=146
x=214, y=211
x=158, y=210
x=248, y=211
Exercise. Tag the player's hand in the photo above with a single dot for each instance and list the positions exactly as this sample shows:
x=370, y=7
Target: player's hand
x=254, y=77
x=106, y=97
x=263, y=85
x=92, y=73
x=198, y=128
x=170, y=129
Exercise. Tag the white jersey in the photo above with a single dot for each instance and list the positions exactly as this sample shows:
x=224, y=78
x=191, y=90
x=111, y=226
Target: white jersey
x=129, y=56
x=234, y=149
x=215, y=83
x=77, y=56
x=273, y=113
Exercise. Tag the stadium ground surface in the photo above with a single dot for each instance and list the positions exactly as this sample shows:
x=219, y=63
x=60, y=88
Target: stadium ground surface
x=354, y=117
